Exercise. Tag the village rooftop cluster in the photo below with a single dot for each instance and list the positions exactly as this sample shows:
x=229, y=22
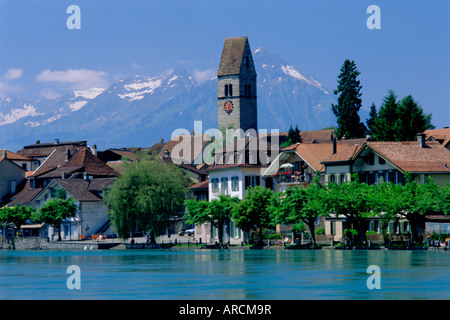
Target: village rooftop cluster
x=39, y=171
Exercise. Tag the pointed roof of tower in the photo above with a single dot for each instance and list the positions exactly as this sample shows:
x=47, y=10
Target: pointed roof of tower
x=232, y=55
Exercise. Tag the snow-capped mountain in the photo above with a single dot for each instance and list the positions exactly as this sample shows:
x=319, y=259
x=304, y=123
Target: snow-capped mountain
x=13, y=109
x=287, y=97
x=140, y=110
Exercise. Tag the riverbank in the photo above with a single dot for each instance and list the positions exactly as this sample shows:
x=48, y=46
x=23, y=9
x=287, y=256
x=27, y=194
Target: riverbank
x=36, y=243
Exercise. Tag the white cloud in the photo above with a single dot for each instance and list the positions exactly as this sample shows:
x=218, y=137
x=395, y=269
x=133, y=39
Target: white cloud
x=134, y=65
x=168, y=72
x=13, y=73
x=7, y=89
x=76, y=78
x=49, y=94
x=205, y=75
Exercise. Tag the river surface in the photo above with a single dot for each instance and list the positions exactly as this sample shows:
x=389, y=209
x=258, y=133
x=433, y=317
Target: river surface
x=224, y=274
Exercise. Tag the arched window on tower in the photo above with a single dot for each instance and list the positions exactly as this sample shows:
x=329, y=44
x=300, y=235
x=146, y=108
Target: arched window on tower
x=226, y=90
x=230, y=90
x=249, y=90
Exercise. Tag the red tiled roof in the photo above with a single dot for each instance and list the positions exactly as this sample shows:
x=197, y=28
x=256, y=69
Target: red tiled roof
x=200, y=185
x=78, y=188
x=80, y=160
x=440, y=135
x=45, y=149
x=25, y=196
x=344, y=155
x=54, y=160
x=314, y=153
x=409, y=156
x=13, y=156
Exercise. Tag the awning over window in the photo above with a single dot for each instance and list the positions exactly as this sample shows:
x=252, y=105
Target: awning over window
x=32, y=226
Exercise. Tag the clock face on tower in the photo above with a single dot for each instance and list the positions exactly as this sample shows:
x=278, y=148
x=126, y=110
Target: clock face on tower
x=228, y=107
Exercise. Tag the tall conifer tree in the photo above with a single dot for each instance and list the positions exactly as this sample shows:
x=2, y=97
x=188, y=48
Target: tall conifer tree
x=373, y=117
x=349, y=103
x=387, y=122
x=411, y=120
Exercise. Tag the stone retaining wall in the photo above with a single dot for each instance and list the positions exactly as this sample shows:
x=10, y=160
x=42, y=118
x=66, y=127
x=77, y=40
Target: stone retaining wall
x=17, y=243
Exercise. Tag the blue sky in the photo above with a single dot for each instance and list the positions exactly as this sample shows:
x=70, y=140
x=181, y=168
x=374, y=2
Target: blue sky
x=410, y=54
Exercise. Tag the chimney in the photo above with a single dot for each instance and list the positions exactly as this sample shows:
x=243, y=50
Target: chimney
x=94, y=150
x=38, y=141
x=67, y=155
x=334, y=145
x=4, y=154
x=56, y=141
x=421, y=140
x=161, y=140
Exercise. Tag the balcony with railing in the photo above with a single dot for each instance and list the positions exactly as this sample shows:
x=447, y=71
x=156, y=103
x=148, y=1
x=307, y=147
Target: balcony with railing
x=295, y=177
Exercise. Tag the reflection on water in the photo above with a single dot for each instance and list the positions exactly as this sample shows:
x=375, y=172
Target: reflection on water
x=224, y=274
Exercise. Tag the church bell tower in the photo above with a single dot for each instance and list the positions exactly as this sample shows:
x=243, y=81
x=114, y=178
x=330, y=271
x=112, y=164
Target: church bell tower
x=236, y=86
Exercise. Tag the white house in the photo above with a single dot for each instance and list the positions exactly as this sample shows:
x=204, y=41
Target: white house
x=235, y=169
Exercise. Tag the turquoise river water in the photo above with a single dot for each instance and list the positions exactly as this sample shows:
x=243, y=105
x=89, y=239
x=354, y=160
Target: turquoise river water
x=224, y=274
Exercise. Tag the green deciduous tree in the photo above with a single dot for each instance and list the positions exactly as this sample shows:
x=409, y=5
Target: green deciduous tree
x=54, y=211
x=18, y=215
x=411, y=201
x=349, y=103
x=218, y=212
x=301, y=206
x=254, y=211
x=145, y=196
x=351, y=200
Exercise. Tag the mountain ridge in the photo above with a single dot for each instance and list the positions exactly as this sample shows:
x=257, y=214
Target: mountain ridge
x=140, y=110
